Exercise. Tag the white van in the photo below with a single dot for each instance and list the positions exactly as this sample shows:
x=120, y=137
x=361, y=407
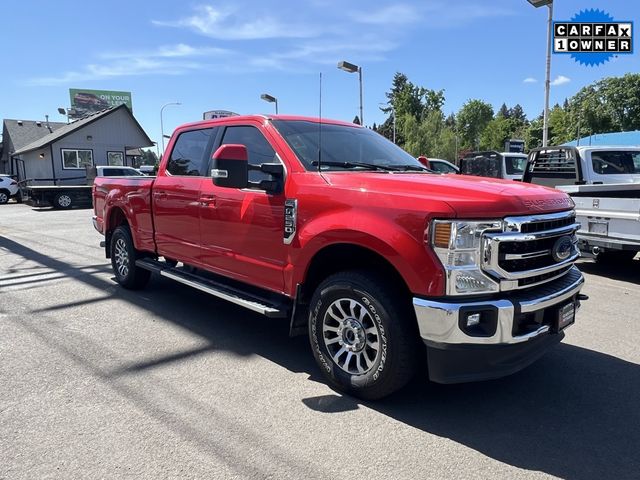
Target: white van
x=494, y=164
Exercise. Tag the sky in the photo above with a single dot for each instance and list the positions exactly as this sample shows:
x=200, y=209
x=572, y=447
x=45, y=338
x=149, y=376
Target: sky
x=223, y=54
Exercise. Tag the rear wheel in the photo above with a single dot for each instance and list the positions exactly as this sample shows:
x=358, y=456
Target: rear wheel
x=4, y=197
x=62, y=201
x=362, y=334
x=123, y=260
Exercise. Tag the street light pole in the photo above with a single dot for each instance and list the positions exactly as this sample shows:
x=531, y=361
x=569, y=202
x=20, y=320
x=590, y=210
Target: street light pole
x=162, y=122
x=271, y=99
x=351, y=68
x=547, y=82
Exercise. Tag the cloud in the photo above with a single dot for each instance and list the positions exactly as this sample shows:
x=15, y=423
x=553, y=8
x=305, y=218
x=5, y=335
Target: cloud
x=393, y=14
x=228, y=23
x=560, y=80
x=165, y=60
x=530, y=80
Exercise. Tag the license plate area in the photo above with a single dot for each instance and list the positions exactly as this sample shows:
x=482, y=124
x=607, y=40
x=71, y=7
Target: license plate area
x=599, y=227
x=566, y=315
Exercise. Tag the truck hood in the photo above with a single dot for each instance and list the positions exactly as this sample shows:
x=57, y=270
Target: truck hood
x=468, y=196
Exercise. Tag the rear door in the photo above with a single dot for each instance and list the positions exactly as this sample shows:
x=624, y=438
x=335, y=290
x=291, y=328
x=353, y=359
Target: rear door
x=176, y=195
x=242, y=229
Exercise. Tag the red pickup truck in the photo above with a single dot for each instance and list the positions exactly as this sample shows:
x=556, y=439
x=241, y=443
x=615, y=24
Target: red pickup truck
x=383, y=263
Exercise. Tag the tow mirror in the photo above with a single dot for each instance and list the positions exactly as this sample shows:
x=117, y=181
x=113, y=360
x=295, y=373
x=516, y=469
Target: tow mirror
x=229, y=166
x=424, y=161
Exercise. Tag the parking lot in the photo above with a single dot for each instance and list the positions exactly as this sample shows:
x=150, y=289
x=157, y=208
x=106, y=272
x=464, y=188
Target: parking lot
x=100, y=382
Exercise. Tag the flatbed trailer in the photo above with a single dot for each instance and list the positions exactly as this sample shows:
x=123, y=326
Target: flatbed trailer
x=57, y=196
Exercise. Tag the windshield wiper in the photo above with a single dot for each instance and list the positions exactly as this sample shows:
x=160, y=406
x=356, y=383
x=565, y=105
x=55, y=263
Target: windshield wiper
x=368, y=166
x=413, y=168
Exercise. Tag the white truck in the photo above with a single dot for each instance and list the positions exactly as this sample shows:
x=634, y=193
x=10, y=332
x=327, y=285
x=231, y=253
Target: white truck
x=604, y=182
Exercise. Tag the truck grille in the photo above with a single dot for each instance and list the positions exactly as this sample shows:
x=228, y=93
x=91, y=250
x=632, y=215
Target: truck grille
x=529, y=252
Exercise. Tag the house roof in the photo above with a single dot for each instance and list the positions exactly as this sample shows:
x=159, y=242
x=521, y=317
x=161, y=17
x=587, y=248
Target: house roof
x=24, y=132
x=69, y=128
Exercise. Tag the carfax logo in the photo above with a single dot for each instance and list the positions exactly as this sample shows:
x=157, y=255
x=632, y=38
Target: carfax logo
x=592, y=37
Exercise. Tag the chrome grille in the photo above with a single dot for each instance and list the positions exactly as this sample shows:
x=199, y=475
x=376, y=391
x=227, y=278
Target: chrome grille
x=522, y=255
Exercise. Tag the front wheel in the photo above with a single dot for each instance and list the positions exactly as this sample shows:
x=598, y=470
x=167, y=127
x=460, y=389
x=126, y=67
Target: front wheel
x=123, y=260
x=362, y=334
x=4, y=197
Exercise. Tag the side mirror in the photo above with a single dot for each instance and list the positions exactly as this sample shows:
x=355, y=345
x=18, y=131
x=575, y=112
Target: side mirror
x=230, y=166
x=424, y=161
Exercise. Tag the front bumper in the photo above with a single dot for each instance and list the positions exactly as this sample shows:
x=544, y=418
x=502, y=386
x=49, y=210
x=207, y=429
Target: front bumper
x=520, y=328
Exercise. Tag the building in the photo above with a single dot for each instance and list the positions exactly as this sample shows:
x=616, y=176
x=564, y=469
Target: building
x=615, y=138
x=17, y=134
x=62, y=155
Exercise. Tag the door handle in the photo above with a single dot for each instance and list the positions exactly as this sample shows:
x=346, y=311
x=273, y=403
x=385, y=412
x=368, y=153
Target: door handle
x=208, y=200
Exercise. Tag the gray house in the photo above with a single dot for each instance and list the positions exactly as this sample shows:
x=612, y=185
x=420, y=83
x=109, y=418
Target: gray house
x=61, y=157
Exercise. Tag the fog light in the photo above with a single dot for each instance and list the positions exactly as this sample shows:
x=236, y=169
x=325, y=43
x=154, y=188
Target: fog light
x=473, y=320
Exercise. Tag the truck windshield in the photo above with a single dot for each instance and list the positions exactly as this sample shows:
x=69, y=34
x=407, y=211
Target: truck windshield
x=343, y=147
x=618, y=162
x=515, y=165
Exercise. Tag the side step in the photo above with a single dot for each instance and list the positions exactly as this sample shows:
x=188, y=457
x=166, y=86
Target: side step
x=231, y=294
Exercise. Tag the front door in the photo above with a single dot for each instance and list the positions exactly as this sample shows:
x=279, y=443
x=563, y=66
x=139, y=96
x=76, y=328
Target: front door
x=242, y=229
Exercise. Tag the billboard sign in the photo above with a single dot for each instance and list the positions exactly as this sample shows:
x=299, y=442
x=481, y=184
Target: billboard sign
x=213, y=114
x=514, y=145
x=85, y=102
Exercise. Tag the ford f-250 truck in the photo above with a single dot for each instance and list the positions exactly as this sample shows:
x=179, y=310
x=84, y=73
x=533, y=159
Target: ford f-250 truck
x=335, y=228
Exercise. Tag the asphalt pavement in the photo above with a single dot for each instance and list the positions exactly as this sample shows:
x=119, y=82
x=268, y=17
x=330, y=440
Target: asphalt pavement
x=100, y=382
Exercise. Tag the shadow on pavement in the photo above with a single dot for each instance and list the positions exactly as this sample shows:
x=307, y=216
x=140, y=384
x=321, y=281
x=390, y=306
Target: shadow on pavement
x=625, y=272
x=574, y=414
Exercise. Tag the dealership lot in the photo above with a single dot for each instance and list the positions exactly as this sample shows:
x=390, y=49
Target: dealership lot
x=96, y=381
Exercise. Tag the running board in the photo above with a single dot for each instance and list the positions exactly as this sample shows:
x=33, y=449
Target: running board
x=216, y=289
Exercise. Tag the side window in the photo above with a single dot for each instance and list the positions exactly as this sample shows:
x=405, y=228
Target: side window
x=189, y=156
x=258, y=148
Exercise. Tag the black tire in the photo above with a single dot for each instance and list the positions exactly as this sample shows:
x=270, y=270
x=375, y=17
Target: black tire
x=123, y=260
x=615, y=257
x=373, y=312
x=63, y=201
x=4, y=196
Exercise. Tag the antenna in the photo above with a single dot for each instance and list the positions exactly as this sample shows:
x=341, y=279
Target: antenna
x=320, y=126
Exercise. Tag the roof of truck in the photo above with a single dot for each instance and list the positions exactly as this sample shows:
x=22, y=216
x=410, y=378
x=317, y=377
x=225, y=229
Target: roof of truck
x=262, y=117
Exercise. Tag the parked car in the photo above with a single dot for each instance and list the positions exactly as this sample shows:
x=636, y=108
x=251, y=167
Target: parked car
x=378, y=260
x=492, y=164
x=439, y=165
x=8, y=188
x=604, y=182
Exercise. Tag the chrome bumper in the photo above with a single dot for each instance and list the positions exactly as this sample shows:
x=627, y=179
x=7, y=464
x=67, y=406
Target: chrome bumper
x=94, y=219
x=438, y=321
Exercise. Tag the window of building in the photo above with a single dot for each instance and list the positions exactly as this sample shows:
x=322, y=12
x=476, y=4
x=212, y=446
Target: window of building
x=258, y=148
x=75, y=159
x=115, y=158
x=190, y=154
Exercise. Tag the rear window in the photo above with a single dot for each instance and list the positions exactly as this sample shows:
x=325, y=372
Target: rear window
x=515, y=165
x=616, y=162
x=189, y=156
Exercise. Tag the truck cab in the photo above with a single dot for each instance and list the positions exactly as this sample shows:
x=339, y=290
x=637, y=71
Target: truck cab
x=506, y=165
x=592, y=165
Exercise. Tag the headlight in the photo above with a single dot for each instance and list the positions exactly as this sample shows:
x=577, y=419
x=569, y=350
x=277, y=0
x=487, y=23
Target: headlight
x=458, y=245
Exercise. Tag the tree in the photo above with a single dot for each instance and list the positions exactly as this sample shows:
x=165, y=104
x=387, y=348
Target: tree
x=497, y=132
x=517, y=113
x=472, y=119
x=356, y=120
x=504, y=111
x=149, y=157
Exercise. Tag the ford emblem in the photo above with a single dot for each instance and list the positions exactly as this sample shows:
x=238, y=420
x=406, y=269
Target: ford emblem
x=562, y=249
